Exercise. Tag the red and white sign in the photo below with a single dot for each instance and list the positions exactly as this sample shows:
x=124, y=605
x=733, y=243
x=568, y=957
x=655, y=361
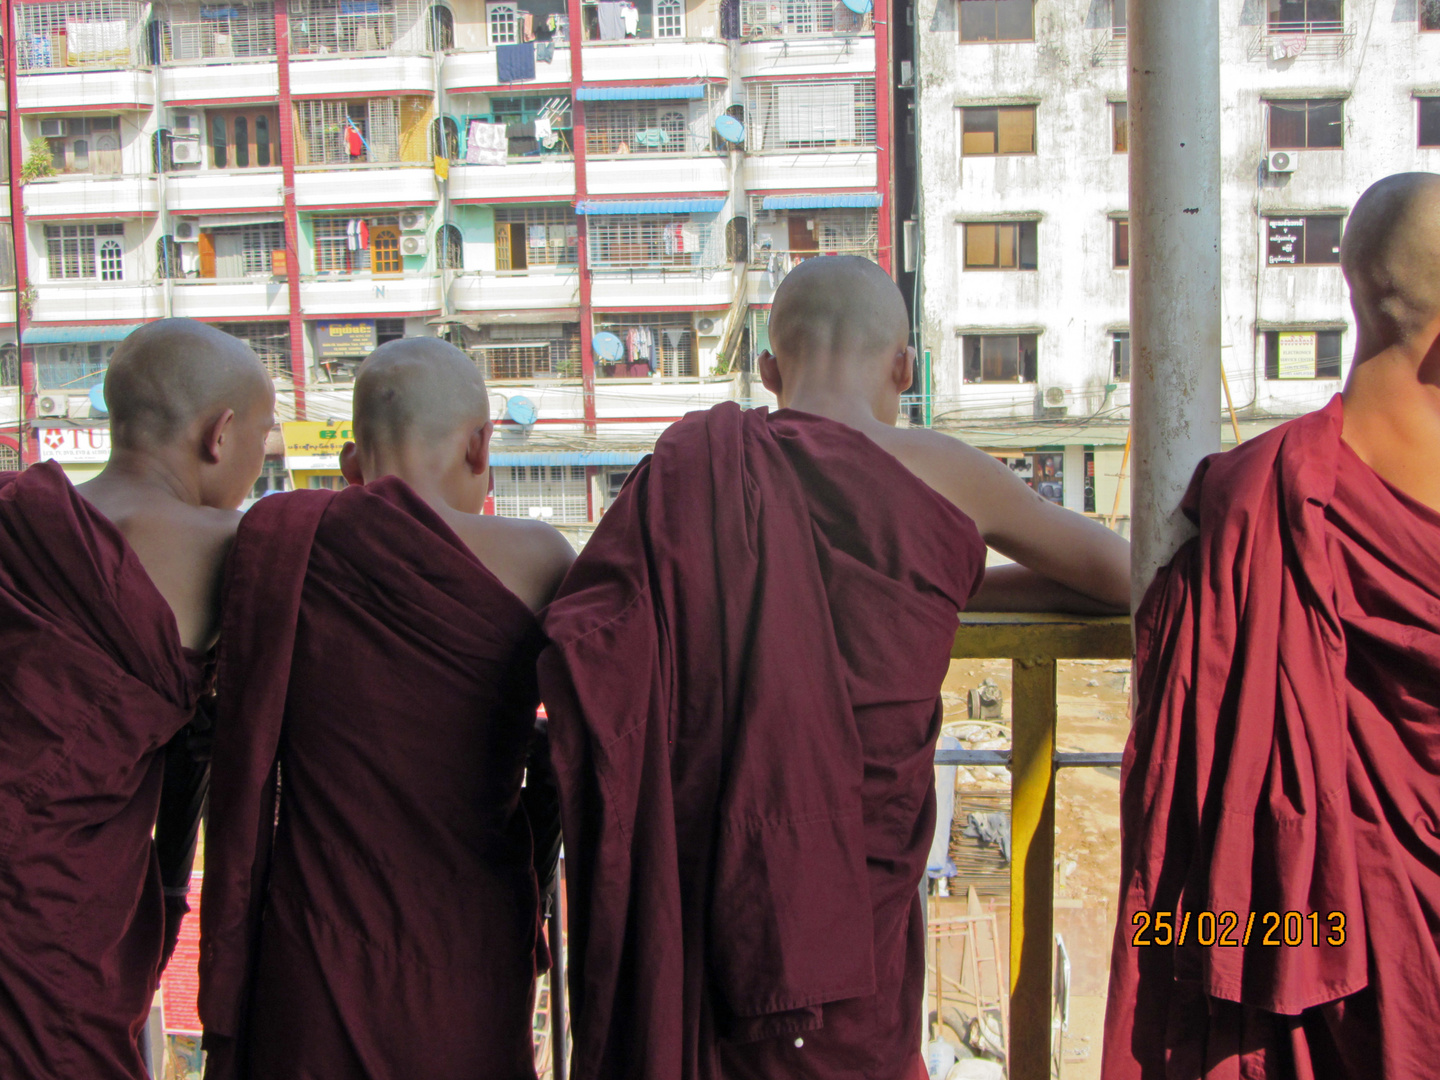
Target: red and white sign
x=74, y=446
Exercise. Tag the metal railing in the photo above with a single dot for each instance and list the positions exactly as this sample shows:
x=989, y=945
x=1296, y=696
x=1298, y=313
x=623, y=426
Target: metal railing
x=1312, y=39
x=1033, y=644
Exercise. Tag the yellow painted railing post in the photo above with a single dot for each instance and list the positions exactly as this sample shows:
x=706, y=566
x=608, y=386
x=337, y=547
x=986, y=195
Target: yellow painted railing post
x=1032, y=865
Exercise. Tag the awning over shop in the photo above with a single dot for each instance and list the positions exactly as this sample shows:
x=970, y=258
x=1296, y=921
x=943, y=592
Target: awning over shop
x=679, y=92
x=650, y=206
x=70, y=335
x=821, y=202
x=527, y=316
x=568, y=457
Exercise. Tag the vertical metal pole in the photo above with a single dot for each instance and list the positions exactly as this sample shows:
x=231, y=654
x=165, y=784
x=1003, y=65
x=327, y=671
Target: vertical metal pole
x=559, y=1014
x=880, y=14
x=1175, y=316
x=574, y=15
x=298, y=370
x=24, y=356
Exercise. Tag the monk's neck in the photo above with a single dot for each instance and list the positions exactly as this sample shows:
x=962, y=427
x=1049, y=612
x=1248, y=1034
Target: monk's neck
x=852, y=410
x=1392, y=422
x=426, y=477
x=136, y=475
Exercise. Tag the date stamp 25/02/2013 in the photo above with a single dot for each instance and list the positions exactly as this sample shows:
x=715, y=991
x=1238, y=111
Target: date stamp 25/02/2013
x=1225, y=928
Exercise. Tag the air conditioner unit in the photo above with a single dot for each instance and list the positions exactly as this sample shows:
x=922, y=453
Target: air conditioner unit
x=185, y=152
x=187, y=231
x=705, y=326
x=412, y=220
x=762, y=13
x=185, y=124
x=414, y=245
x=77, y=408
x=1054, y=397
x=51, y=404
x=1281, y=161
x=52, y=129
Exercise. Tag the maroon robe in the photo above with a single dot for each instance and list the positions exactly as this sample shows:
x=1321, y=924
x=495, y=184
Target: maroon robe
x=743, y=688
x=1286, y=757
x=94, y=684
x=384, y=924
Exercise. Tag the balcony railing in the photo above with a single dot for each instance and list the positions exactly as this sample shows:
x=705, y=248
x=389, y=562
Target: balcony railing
x=761, y=19
x=1310, y=39
x=218, y=40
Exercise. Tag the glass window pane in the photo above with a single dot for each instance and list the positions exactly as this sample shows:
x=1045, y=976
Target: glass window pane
x=1017, y=130
x=1430, y=14
x=218, y=142
x=1430, y=118
x=1117, y=15
x=1002, y=358
x=1287, y=125
x=1327, y=124
x=1322, y=240
x=1014, y=20
x=1028, y=241
x=1029, y=345
x=974, y=372
x=262, y=140
x=1327, y=354
x=1122, y=243
x=242, y=141
x=1325, y=11
x=1120, y=355
x=1008, y=244
x=979, y=128
x=980, y=246
x=1120, y=127
x=977, y=20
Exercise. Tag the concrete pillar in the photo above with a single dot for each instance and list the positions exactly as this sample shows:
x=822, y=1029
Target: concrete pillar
x=1175, y=314
x=1074, y=479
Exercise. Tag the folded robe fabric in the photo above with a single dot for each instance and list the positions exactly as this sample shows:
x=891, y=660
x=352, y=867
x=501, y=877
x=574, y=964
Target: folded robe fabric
x=743, y=690
x=385, y=923
x=1284, y=758
x=95, y=685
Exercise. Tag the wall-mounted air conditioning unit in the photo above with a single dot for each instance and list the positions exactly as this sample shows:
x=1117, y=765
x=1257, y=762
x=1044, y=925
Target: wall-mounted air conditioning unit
x=77, y=408
x=705, y=326
x=52, y=404
x=412, y=220
x=185, y=125
x=414, y=245
x=187, y=231
x=52, y=129
x=1282, y=161
x=185, y=152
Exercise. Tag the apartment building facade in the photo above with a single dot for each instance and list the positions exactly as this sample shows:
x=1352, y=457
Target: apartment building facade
x=595, y=200
x=1023, y=180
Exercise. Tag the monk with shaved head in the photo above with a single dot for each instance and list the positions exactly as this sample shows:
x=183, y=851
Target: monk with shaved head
x=1282, y=773
x=375, y=914
x=743, y=686
x=108, y=608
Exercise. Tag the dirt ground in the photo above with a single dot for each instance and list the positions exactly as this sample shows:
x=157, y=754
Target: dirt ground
x=1093, y=716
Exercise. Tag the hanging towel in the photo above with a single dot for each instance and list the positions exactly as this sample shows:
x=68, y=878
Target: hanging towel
x=515, y=63
x=486, y=144
x=352, y=234
x=544, y=133
x=612, y=23
x=630, y=16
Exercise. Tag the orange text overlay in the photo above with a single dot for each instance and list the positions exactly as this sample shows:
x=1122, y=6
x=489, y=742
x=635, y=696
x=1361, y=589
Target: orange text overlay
x=1231, y=930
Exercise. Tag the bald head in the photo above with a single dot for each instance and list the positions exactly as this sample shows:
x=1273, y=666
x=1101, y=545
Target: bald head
x=417, y=391
x=1391, y=258
x=838, y=309
x=170, y=373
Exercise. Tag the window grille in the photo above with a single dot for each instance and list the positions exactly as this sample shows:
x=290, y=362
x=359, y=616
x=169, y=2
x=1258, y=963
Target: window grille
x=79, y=33
x=810, y=115
x=90, y=144
x=799, y=18
x=9, y=456
x=360, y=26
x=556, y=493
x=9, y=369
x=72, y=367
x=338, y=249
x=223, y=32
x=247, y=249
x=669, y=348
x=445, y=138
x=638, y=127
x=449, y=248
x=504, y=24
x=269, y=340
x=528, y=351
x=1120, y=356
x=543, y=235
x=388, y=330
x=802, y=233
x=442, y=29
x=635, y=242
x=321, y=135
x=71, y=251
x=669, y=19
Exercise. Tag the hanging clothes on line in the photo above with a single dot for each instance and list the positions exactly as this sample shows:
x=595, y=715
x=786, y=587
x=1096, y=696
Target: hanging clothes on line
x=486, y=144
x=354, y=142
x=629, y=17
x=612, y=22
x=515, y=63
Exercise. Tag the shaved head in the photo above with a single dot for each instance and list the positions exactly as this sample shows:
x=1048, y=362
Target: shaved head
x=838, y=308
x=1391, y=258
x=170, y=373
x=417, y=390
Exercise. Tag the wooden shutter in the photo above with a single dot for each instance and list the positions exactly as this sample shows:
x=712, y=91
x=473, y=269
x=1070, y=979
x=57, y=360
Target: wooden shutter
x=207, y=255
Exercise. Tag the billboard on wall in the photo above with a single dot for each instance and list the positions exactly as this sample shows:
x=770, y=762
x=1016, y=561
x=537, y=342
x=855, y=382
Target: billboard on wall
x=74, y=446
x=344, y=339
x=310, y=444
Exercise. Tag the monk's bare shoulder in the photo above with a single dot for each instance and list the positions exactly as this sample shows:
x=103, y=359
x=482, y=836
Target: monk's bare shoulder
x=970, y=478
x=529, y=557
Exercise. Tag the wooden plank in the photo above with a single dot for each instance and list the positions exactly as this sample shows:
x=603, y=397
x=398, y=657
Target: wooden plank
x=1005, y=635
x=1032, y=868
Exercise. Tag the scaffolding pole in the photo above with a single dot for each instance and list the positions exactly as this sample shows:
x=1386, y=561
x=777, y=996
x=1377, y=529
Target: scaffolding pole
x=1175, y=314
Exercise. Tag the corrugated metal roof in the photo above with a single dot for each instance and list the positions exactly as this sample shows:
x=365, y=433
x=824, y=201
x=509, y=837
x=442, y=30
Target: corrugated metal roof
x=649, y=206
x=568, y=457
x=820, y=202
x=676, y=92
x=67, y=335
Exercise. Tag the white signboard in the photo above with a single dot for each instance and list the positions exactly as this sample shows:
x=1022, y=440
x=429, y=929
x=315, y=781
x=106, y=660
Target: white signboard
x=1297, y=356
x=75, y=446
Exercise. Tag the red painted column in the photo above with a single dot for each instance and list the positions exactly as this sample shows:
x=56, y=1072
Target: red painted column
x=292, y=220
x=577, y=139
x=29, y=447
x=884, y=134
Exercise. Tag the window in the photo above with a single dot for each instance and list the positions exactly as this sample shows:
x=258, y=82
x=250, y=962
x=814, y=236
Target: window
x=351, y=132
x=1118, y=18
x=520, y=114
x=1303, y=241
x=77, y=251
x=530, y=351
x=348, y=245
x=79, y=33
x=544, y=235
x=90, y=144
x=997, y=20
x=1306, y=125
x=787, y=18
x=635, y=127
x=669, y=19
x=219, y=142
x=1311, y=15
x=1430, y=118
x=240, y=251
x=781, y=238
x=1302, y=354
x=7, y=256
x=442, y=29
x=269, y=340
x=633, y=241
x=385, y=257
x=504, y=24
x=559, y=494
x=810, y=115
x=1120, y=127
x=73, y=367
x=660, y=343
x=1003, y=245
x=327, y=482
x=1003, y=130
x=1000, y=358
x=1121, y=228
x=358, y=26
x=1429, y=15
x=387, y=330
x=1120, y=356
x=449, y=248
x=445, y=138
x=9, y=372
x=242, y=139
x=233, y=31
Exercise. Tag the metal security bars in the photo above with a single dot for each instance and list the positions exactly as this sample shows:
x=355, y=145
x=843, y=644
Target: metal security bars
x=640, y=127
x=269, y=340
x=247, y=249
x=343, y=247
x=364, y=131
x=217, y=32
x=79, y=251
x=526, y=236
x=799, y=18
x=810, y=115
x=79, y=33
x=646, y=241
x=328, y=27
x=525, y=352
x=792, y=235
x=554, y=493
x=656, y=343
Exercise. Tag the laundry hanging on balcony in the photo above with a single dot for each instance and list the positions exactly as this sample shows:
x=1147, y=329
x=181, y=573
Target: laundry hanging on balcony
x=515, y=63
x=352, y=141
x=486, y=144
x=612, y=22
x=357, y=234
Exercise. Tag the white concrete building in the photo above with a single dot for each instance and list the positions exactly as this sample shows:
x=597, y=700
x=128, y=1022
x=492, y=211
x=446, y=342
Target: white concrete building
x=1023, y=181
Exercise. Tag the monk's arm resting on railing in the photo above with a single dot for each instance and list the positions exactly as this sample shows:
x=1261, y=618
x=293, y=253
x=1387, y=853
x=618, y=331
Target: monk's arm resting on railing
x=1012, y=587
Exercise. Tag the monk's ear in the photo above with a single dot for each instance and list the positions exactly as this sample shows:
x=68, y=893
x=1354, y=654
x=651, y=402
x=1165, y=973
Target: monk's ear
x=214, y=436
x=477, y=448
x=770, y=372
x=350, y=465
x=904, y=373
